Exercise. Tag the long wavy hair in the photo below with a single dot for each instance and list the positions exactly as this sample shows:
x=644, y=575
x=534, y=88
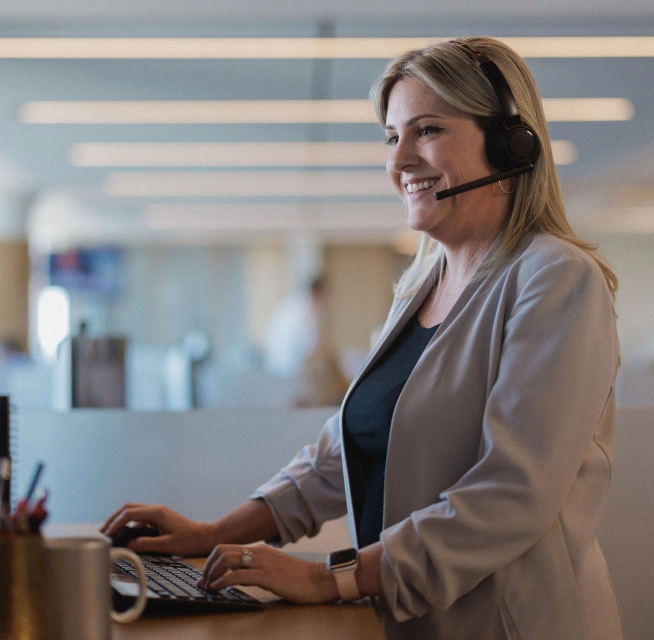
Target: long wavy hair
x=537, y=204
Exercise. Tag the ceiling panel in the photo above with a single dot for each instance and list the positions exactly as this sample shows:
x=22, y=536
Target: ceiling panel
x=35, y=157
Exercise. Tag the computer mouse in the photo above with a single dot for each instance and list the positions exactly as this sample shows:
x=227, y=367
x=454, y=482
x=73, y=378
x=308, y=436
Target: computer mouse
x=126, y=533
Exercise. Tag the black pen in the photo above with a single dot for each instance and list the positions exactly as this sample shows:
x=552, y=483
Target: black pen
x=5, y=474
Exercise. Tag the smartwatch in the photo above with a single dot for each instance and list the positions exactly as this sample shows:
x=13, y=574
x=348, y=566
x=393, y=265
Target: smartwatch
x=343, y=565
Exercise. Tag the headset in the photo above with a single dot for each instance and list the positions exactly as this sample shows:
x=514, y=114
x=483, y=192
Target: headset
x=512, y=147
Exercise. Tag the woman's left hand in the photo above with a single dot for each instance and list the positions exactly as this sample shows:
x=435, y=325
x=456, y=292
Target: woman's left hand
x=262, y=566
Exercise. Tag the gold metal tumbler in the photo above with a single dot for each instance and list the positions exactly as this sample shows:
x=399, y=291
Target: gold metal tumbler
x=22, y=587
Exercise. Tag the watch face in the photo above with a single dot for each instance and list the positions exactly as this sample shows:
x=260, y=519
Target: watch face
x=341, y=559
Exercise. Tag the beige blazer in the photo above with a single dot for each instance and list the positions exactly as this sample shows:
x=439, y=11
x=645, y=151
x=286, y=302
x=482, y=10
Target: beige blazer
x=498, y=463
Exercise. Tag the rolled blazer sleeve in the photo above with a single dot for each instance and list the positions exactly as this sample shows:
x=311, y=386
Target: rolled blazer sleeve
x=548, y=390
x=310, y=489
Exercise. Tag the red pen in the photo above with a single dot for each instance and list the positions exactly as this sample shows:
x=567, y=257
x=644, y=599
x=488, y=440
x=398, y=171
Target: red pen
x=38, y=514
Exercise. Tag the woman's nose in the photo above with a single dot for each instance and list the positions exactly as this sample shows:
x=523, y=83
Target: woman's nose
x=401, y=156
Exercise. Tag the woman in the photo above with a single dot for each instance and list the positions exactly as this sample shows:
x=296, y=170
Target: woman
x=473, y=451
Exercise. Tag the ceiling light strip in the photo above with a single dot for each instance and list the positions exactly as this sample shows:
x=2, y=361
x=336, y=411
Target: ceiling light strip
x=249, y=154
x=207, y=48
x=305, y=48
x=583, y=47
x=198, y=112
x=564, y=152
x=274, y=111
x=275, y=216
x=588, y=109
x=228, y=154
x=247, y=184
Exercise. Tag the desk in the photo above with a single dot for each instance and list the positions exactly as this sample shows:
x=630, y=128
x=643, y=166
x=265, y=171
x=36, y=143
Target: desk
x=280, y=621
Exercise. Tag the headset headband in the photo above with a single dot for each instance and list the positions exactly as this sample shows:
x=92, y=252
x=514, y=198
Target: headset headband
x=510, y=143
x=498, y=82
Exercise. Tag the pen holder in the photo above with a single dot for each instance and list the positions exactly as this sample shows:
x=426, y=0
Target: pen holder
x=22, y=587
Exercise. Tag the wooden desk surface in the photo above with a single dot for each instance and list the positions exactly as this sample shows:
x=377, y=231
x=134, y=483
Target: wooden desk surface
x=279, y=621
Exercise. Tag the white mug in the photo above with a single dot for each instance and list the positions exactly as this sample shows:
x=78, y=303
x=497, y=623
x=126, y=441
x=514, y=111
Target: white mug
x=79, y=594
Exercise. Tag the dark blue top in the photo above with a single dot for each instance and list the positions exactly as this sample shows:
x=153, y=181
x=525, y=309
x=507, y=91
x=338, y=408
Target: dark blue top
x=367, y=424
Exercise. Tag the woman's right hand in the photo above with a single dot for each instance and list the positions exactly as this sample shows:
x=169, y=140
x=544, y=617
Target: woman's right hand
x=178, y=535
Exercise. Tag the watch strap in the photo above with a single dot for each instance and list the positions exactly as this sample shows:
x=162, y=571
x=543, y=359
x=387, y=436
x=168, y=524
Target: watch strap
x=347, y=586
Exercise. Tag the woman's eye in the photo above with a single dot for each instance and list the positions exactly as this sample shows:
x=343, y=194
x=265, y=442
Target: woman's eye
x=426, y=131
x=391, y=140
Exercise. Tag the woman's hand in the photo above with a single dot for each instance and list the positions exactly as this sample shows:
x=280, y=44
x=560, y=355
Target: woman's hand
x=179, y=535
x=262, y=566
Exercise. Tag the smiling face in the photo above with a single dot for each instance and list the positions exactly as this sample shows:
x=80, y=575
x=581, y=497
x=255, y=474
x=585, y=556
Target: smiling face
x=434, y=146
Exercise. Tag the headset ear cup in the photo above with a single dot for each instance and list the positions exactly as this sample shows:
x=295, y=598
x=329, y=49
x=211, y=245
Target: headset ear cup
x=508, y=148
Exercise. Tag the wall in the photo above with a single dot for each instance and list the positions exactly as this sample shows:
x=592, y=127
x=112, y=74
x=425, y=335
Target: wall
x=230, y=292
x=625, y=532
x=14, y=274
x=266, y=284
x=172, y=290
x=632, y=258
x=361, y=281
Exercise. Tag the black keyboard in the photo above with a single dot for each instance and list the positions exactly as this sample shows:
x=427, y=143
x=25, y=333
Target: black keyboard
x=172, y=585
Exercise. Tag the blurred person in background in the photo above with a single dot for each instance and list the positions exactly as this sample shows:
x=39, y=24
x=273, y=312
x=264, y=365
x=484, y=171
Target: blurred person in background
x=298, y=346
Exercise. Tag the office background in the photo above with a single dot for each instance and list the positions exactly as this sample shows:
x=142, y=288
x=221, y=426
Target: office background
x=174, y=174
x=169, y=173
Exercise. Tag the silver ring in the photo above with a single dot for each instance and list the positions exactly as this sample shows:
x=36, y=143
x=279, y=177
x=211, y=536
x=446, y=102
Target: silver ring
x=246, y=558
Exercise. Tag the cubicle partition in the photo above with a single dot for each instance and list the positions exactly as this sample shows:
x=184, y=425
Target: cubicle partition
x=626, y=533
x=203, y=463
x=199, y=462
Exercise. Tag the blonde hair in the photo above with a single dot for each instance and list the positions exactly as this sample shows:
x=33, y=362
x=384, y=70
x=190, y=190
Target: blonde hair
x=446, y=68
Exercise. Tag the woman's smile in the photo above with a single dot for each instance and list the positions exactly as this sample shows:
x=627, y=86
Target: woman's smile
x=424, y=185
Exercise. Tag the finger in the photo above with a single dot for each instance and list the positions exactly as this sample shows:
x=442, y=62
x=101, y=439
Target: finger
x=216, y=555
x=210, y=561
x=141, y=513
x=214, y=567
x=121, y=519
x=222, y=558
x=240, y=577
x=117, y=513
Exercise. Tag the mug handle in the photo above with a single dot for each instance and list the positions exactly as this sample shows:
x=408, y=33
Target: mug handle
x=134, y=612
